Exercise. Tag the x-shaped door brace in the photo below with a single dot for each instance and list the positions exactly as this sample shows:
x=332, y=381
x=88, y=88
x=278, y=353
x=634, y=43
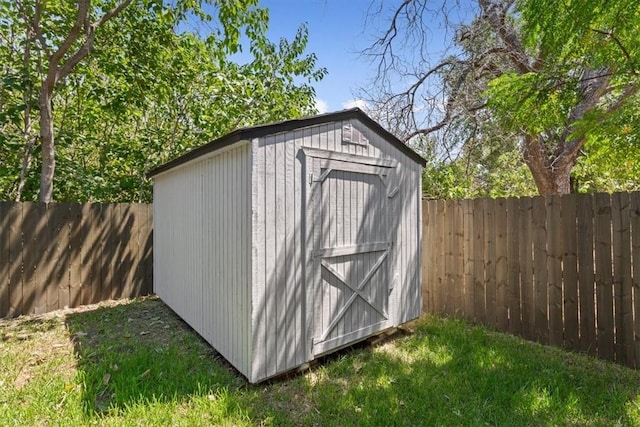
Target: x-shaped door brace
x=357, y=292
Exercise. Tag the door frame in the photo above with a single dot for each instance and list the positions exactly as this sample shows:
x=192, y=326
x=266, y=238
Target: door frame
x=313, y=176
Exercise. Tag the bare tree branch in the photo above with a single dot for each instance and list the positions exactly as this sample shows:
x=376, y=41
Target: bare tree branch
x=495, y=13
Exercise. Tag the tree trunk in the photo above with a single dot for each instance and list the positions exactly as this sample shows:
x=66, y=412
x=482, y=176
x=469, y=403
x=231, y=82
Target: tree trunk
x=552, y=175
x=552, y=182
x=48, y=148
x=59, y=69
x=26, y=163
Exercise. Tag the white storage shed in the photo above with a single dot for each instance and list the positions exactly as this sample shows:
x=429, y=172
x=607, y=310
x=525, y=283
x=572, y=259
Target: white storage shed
x=283, y=242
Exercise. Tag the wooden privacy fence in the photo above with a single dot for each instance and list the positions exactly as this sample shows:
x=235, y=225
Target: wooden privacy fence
x=60, y=255
x=561, y=270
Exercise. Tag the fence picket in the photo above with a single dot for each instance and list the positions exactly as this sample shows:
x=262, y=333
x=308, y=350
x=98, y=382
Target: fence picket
x=449, y=262
x=5, y=237
x=458, y=253
x=75, y=254
x=623, y=310
x=118, y=234
x=490, y=261
x=467, y=206
x=538, y=215
x=478, y=262
x=626, y=282
x=569, y=270
x=604, y=278
x=34, y=254
x=634, y=202
x=428, y=254
x=501, y=265
x=143, y=215
x=525, y=256
x=426, y=237
x=108, y=246
x=554, y=228
x=56, y=270
x=148, y=251
x=513, y=280
x=92, y=249
x=586, y=274
x=439, y=259
x=13, y=220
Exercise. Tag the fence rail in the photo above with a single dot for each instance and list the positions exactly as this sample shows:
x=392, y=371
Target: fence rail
x=60, y=255
x=561, y=270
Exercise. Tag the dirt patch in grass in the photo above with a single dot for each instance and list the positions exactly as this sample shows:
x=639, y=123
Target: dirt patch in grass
x=41, y=339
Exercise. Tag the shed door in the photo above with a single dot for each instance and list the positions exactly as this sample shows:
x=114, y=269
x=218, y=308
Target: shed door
x=349, y=213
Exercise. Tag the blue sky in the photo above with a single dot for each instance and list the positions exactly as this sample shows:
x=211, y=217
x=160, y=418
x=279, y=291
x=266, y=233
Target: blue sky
x=338, y=31
x=336, y=35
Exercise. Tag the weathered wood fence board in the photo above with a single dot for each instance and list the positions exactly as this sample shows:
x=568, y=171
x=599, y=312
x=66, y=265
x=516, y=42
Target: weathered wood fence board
x=561, y=270
x=634, y=218
x=60, y=255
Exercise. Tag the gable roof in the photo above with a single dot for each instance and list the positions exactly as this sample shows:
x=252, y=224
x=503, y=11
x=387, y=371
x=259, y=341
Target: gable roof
x=285, y=126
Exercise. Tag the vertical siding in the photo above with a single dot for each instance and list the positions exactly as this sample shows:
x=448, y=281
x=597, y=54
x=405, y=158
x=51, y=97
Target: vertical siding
x=278, y=296
x=280, y=319
x=405, y=299
x=202, y=234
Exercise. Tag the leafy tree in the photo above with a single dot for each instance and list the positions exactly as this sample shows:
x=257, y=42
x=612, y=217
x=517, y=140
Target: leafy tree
x=545, y=76
x=611, y=157
x=148, y=92
x=59, y=49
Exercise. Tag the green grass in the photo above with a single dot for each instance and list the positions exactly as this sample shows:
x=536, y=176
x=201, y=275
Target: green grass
x=136, y=363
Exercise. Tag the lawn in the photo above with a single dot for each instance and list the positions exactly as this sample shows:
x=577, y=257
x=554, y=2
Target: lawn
x=136, y=363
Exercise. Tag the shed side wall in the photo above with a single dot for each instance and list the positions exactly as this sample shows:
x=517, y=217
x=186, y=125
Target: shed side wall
x=202, y=264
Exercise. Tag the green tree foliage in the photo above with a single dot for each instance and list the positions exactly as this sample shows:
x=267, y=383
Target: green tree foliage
x=148, y=92
x=546, y=84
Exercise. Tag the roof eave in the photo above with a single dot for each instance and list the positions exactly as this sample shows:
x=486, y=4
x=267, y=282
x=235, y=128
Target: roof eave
x=285, y=126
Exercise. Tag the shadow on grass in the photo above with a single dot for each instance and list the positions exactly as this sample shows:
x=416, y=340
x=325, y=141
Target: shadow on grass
x=444, y=373
x=142, y=352
x=23, y=328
